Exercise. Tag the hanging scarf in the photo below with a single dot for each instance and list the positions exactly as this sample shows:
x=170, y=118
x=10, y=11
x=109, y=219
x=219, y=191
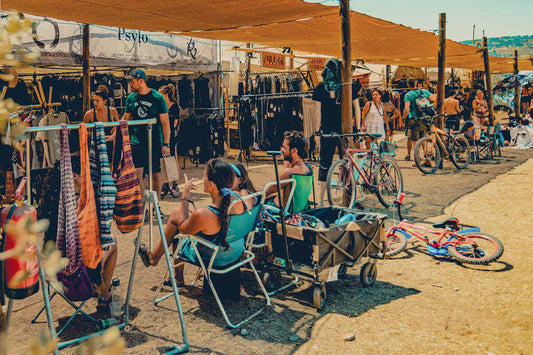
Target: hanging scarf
x=68, y=233
x=91, y=247
x=104, y=187
x=331, y=75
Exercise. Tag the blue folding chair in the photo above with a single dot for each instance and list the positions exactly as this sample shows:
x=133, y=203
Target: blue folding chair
x=212, y=259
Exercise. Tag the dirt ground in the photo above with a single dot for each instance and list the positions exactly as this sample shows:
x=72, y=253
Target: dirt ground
x=418, y=304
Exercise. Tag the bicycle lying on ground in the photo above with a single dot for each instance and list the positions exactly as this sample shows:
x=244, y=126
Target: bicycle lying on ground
x=429, y=151
x=465, y=245
x=362, y=169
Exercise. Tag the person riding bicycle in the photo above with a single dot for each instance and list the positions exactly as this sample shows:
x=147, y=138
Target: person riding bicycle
x=415, y=127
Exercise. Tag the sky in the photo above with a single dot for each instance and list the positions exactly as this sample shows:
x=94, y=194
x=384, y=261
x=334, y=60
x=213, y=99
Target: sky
x=496, y=17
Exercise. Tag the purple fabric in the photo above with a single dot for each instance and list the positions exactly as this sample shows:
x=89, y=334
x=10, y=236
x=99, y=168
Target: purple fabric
x=68, y=233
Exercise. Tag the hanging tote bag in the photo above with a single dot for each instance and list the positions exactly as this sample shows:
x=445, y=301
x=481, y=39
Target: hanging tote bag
x=128, y=201
x=104, y=187
x=91, y=248
x=75, y=279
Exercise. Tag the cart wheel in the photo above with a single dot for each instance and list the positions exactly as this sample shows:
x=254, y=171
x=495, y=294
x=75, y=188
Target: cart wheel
x=127, y=328
x=319, y=296
x=342, y=270
x=272, y=280
x=368, y=274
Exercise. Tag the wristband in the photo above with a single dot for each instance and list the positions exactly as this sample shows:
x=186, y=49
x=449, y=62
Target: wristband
x=166, y=145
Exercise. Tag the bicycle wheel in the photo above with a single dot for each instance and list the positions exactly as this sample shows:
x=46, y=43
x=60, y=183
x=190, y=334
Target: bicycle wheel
x=394, y=244
x=388, y=181
x=427, y=156
x=341, y=185
x=460, y=152
x=476, y=249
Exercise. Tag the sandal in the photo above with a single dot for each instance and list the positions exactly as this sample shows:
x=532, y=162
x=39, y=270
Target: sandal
x=169, y=284
x=103, y=305
x=143, y=253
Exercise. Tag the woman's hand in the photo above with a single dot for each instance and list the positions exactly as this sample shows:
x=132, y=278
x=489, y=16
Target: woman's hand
x=189, y=185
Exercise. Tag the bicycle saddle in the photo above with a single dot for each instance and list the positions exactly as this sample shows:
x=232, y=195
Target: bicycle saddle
x=452, y=223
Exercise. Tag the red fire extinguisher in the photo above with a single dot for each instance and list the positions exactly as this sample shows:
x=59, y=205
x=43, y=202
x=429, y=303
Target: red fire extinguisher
x=29, y=284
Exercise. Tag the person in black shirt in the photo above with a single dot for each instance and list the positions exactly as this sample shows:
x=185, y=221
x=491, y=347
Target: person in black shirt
x=169, y=93
x=329, y=93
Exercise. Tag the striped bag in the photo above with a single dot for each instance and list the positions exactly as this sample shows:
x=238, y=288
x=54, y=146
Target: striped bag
x=128, y=202
x=104, y=187
x=91, y=246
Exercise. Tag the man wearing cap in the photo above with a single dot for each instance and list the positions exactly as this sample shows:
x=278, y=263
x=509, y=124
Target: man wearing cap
x=143, y=104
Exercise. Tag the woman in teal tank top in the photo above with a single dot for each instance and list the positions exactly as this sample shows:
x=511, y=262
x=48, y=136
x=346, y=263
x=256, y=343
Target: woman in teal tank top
x=209, y=222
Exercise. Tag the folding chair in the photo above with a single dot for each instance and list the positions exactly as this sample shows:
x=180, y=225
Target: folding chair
x=77, y=308
x=240, y=227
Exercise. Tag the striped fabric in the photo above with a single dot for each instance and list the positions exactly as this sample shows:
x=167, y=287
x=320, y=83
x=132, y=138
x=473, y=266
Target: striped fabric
x=128, y=202
x=68, y=233
x=104, y=187
x=91, y=248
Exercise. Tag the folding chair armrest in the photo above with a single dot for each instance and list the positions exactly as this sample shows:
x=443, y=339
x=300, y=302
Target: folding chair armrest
x=201, y=240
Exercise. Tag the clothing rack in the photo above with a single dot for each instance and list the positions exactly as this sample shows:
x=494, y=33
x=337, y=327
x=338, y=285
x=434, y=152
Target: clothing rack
x=280, y=94
x=150, y=199
x=31, y=107
x=148, y=124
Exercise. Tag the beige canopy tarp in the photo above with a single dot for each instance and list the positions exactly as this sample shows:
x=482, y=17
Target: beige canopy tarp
x=307, y=27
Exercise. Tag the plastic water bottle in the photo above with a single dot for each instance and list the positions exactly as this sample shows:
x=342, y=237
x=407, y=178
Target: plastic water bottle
x=117, y=299
x=345, y=219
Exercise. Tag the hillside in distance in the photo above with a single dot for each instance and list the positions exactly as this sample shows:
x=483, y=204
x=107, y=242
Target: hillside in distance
x=505, y=46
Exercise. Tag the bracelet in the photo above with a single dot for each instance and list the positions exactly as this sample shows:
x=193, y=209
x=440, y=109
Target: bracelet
x=166, y=144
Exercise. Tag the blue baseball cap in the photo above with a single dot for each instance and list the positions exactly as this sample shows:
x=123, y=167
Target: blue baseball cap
x=136, y=74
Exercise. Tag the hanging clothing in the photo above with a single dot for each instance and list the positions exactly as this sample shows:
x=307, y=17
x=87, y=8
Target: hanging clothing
x=104, y=187
x=201, y=93
x=185, y=92
x=50, y=139
x=374, y=122
x=91, y=247
x=68, y=233
x=311, y=116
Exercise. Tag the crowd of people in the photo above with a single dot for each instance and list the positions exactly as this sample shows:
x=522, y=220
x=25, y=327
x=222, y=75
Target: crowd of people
x=380, y=112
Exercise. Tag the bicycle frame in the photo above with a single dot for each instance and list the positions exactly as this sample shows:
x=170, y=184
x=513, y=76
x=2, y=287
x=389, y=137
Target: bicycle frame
x=410, y=229
x=435, y=135
x=367, y=178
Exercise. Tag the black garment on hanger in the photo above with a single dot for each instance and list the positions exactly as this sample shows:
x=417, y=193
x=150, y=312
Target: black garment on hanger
x=185, y=92
x=201, y=93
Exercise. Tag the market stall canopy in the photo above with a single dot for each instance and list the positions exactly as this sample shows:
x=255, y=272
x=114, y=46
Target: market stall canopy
x=307, y=27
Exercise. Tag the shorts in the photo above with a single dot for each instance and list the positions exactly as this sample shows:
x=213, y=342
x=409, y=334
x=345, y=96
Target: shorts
x=140, y=157
x=452, y=122
x=416, y=129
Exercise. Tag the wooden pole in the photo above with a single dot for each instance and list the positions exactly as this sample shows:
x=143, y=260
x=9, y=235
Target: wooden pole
x=86, y=70
x=346, y=74
x=517, y=88
x=291, y=60
x=488, y=82
x=248, y=69
x=474, y=35
x=442, y=67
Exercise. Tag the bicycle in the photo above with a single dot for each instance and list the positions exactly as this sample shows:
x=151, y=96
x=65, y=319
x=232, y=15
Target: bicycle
x=375, y=173
x=430, y=150
x=465, y=245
